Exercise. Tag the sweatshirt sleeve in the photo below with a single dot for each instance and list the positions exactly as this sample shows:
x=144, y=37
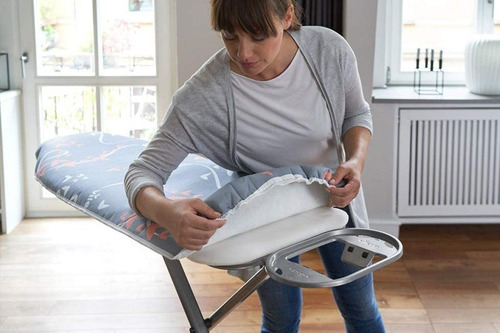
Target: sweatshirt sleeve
x=357, y=110
x=168, y=148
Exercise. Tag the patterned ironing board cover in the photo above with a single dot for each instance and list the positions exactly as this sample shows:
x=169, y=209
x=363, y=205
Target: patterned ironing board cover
x=86, y=171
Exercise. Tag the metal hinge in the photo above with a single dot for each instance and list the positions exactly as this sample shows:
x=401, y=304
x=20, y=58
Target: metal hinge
x=388, y=75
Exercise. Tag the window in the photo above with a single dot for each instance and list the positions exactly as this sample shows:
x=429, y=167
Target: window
x=94, y=65
x=101, y=45
x=447, y=25
x=125, y=110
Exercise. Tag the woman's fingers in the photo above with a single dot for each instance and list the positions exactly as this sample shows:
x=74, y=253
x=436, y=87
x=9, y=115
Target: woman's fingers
x=345, y=182
x=342, y=196
x=197, y=223
x=201, y=223
x=205, y=210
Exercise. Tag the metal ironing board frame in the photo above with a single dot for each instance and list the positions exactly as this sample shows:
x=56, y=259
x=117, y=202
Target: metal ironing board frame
x=361, y=246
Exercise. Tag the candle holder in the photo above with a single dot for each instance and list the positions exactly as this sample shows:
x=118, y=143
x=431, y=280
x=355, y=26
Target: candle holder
x=428, y=82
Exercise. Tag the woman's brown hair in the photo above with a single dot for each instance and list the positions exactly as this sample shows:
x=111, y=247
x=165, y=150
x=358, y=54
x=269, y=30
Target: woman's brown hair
x=254, y=17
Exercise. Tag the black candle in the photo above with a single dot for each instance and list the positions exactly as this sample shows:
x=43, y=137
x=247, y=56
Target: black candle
x=432, y=60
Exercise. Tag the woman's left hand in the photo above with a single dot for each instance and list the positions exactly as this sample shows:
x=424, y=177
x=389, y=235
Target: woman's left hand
x=350, y=172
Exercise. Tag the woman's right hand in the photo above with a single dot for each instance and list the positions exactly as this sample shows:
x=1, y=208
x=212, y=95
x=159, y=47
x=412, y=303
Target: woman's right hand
x=191, y=222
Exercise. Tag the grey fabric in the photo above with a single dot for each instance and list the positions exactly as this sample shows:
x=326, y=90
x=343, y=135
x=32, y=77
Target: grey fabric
x=238, y=190
x=201, y=117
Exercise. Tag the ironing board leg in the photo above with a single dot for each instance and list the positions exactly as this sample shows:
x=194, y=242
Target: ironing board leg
x=189, y=303
x=238, y=297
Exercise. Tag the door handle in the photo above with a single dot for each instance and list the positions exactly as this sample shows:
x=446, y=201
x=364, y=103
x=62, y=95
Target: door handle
x=24, y=59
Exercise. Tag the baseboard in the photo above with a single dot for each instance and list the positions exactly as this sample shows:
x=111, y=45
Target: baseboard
x=391, y=227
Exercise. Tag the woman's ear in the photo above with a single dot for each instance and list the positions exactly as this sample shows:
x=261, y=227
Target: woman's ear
x=287, y=20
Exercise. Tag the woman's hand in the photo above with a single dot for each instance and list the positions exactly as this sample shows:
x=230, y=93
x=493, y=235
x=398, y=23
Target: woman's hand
x=350, y=173
x=355, y=142
x=191, y=222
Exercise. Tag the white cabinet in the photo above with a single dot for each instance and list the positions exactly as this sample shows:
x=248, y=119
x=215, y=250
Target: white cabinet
x=11, y=166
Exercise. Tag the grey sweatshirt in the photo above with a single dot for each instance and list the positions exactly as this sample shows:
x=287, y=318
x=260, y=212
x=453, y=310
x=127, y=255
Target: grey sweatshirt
x=201, y=118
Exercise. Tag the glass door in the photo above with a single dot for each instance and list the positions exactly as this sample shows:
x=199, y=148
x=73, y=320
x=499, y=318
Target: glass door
x=92, y=65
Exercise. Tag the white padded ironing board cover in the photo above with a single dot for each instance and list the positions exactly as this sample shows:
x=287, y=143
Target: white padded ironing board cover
x=86, y=171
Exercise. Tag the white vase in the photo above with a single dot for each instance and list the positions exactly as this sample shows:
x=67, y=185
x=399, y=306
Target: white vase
x=482, y=65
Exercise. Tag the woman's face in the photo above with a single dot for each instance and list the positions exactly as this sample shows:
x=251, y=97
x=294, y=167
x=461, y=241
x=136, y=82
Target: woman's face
x=259, y=57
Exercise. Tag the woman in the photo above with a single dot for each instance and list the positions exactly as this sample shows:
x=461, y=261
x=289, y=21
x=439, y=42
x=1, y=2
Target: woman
x=278, y=94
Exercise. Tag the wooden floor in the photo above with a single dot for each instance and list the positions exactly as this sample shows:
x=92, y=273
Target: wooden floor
x=77, y=275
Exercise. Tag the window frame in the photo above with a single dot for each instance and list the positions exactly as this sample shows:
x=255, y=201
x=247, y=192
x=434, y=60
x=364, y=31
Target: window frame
x=388, y=43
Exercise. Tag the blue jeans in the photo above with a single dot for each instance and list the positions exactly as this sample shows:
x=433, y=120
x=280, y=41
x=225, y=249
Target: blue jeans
x=282, y=304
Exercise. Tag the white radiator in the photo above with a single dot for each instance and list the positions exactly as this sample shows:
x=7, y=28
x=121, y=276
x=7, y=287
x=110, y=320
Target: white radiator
x=449, y=162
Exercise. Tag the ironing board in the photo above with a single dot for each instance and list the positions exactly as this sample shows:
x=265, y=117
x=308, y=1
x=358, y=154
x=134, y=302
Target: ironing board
x=271, y=216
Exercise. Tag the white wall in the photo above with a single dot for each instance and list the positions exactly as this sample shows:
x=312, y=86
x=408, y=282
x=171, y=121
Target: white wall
x=360, y=23
x=196, y=42
x=9, y=39
x=359, y=30
x=5, y=23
